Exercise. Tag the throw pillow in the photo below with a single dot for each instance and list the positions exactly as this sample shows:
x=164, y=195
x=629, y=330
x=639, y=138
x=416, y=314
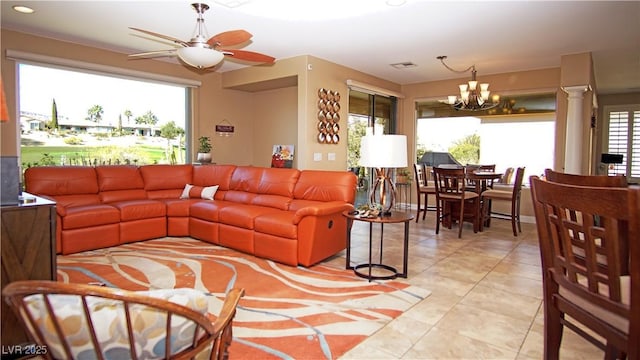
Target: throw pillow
x=197, y=192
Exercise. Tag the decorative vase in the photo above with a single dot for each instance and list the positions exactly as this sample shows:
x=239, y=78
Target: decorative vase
x=203, y=158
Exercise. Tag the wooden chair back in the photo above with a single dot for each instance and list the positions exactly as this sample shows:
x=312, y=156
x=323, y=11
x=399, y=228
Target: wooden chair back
x=420, y=175
x=452, y=196
x=512, y=196
x=424, y=188
x=585, y=180
x=506, y=177
x=113, y=321
x=601, y=298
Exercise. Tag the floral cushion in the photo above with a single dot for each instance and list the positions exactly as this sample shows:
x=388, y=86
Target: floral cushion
x=109, y=322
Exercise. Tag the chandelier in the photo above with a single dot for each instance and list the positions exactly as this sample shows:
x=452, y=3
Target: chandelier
x=470, y=98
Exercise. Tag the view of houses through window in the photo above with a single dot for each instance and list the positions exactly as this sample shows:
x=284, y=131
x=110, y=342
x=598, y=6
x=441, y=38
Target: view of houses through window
x=79, y=118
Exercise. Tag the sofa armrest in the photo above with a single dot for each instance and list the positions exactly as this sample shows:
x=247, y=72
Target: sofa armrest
x=321, y=209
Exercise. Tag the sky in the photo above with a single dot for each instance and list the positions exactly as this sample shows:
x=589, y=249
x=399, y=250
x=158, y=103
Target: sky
x=76, y=92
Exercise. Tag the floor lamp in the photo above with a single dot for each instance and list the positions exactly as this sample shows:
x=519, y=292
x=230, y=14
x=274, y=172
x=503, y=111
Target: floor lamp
x=383, y=153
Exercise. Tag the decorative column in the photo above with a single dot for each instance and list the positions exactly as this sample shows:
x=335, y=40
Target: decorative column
x=574, y=129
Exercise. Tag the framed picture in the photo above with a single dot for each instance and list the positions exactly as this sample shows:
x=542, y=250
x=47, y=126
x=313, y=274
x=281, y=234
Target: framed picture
x=282, y=156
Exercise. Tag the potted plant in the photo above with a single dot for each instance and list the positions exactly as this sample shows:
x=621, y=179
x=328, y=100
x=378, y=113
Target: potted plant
x=403, y=176
x=204, y=150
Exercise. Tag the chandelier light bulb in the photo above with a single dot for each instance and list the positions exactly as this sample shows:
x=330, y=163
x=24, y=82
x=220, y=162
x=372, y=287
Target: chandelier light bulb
x=471, y=98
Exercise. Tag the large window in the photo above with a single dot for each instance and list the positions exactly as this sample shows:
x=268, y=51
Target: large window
x=520, y=131
x=79, y=118
x=624, y=139
x=506, y=141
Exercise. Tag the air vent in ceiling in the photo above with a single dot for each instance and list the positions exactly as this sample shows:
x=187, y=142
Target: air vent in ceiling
x=404, y=65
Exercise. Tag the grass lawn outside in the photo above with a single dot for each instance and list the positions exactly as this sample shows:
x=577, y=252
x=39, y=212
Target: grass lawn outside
x=41, y=149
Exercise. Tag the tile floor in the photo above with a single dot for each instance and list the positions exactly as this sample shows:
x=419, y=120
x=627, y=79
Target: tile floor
x=486, y=300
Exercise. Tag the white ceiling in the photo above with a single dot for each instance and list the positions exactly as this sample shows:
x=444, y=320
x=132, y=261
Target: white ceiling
x=369, y=35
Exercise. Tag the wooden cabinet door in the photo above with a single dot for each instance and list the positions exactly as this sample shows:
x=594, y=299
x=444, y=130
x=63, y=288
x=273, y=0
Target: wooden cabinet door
x=28, y=247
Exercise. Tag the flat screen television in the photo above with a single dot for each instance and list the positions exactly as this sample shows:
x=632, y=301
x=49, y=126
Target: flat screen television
x=611, y=159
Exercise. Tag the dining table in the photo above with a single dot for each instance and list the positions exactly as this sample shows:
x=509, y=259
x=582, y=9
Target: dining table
x=483, y=180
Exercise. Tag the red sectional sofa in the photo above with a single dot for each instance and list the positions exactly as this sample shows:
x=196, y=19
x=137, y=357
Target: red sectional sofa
x=287, y=215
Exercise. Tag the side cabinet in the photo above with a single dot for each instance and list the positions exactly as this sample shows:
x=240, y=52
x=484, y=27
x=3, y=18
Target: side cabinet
x=28, y=235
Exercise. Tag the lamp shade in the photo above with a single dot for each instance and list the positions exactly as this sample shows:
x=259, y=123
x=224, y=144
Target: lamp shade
x=383, y=151
x=200, y=57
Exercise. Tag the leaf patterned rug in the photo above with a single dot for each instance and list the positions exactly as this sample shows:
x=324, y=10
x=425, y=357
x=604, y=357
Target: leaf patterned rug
x=287, y=312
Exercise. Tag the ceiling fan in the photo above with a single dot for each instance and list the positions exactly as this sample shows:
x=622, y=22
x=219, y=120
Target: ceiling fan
x=201, y=52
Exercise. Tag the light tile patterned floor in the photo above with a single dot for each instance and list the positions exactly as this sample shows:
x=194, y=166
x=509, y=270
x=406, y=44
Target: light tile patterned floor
x=486, y=300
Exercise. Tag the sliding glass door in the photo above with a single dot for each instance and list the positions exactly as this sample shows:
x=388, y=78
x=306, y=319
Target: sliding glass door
x=367, y=110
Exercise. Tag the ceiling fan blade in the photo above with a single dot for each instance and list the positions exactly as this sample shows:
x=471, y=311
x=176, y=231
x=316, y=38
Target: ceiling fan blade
x=150, y=54
x=249, y=56
x=166, y=37
x=229, y=38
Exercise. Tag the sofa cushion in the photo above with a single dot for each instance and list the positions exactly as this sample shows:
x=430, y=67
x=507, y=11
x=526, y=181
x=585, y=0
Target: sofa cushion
x=164, y=194
x=119, y=177
x=278, y=181
x=206, y=175
x=178, y=207
x=63, y=201
x=91, y=215
x=198, y=192
x=242, y=215
x=140, y=209
x=326, y=186
x=208, y=210
x=246, y=179
x=161, y=177
x=122, y=195
x=61, y=180
x=274, y=201
x=110, y=323
x=278, y=223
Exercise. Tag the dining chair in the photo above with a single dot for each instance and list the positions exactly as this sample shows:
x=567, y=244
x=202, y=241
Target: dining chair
x=506, y=177
x=590, y=180
x=453, y=201
x=471, y=184
x=576, y=293
x=490, y=196
x=585, y=180
x=87, y=321
x=424, y=188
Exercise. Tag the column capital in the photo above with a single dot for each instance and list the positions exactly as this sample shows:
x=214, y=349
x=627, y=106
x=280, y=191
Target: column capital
x=577, y=89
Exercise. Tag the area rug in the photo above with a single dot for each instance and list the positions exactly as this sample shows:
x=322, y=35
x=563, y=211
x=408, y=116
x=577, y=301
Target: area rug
x=287, y=312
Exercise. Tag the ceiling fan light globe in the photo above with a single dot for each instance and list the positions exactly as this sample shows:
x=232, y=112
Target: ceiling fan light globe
x=200, y=57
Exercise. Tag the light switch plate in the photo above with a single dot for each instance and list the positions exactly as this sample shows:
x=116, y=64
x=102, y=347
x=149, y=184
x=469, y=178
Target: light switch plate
x=331, y=156
x=317, y=156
